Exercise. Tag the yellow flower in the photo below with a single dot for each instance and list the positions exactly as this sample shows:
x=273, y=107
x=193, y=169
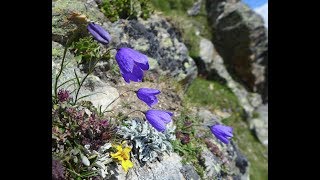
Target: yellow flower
x=123, y=155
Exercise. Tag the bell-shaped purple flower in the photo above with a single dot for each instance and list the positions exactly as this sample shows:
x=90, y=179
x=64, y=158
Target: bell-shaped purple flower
x=132, y=64
x=148, y=96
x=158, y=119
x=99, y=33
x=223, y=133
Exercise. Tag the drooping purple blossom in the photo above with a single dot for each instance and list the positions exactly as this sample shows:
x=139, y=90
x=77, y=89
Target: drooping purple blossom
x=223, y=133
x=132, y=64
x=148, y=96
x=63, y=95
x=158, y=119
x=99, y=34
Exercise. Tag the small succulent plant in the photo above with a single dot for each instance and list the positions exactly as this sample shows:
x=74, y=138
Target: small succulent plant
x=148, y=144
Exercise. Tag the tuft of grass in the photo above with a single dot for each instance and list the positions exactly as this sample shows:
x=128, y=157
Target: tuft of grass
x=215, y=96
x=186, y=145
x=212, y=94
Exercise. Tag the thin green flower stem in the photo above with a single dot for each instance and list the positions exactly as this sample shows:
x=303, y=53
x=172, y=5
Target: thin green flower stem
x=131, y=113
x=116, y=99
x=89, y=174
x=90, y=71
x=82, y=81
x=60, y=72
x=109, y=49
x=79, y=175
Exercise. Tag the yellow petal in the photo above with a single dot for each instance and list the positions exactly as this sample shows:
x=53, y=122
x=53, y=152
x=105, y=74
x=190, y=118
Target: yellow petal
x=126, y=153
x=114, y=155
x=126, y=164
x=120, y=158
x=127, y=150
x=119, y=148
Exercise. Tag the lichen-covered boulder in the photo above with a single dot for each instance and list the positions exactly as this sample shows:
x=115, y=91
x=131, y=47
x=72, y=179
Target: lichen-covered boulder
x=154, y=37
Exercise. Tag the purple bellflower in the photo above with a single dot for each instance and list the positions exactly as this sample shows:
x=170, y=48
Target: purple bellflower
x=99, y=33
x=158, y=119
x=132, y=64
x=148, y=96
x=223, y=133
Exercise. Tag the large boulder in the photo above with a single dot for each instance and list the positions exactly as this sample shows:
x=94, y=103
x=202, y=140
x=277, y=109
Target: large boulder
x=241, y=39
x=154, y=37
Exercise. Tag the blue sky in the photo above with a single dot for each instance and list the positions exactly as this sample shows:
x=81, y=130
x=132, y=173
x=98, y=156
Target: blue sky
x=261, y=7
x=255, y=3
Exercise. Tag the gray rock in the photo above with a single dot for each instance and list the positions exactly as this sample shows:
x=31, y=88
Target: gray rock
x=241, y=162
x=189, y=172
x=206, y=55
x=167, y=169
x=212, y=164
x=195, y=9
x=259, y=124
x=241, y=39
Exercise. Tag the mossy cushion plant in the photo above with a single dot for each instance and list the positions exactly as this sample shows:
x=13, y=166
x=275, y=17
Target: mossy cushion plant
x=126, y=9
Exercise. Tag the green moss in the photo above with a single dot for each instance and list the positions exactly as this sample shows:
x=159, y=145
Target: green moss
x=176, y=11
x=212, y=94
x=170, y=5
x=126, y=9
x=216, y=96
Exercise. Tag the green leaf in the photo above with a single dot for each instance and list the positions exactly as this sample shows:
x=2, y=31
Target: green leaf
x=78, y=58
x=78, y=80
